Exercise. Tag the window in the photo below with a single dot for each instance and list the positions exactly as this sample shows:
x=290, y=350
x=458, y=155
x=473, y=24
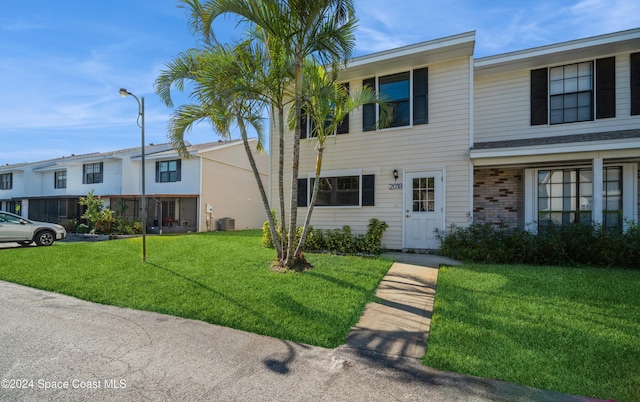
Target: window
x=424, y=190
x=573, y=92
x=6, y=181
x=407, y=99
x=60, y=179
x=565, y=196
x=168, y=171
x=92, y=173
x=612, y=215
x=338, y=191
x=307, y=126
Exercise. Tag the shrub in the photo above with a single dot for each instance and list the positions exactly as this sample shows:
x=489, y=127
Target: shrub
x=69, y=224
x=105, y=221
x=371, y=242
x=82, y=228
x=341, y=241
x=575, y=244
x=126, y=227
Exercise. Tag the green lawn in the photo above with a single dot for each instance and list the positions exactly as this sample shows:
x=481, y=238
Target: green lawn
x=570, y=330
x=222, y=278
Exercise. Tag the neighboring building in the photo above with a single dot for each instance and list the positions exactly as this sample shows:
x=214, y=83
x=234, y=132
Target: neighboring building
x=514, y=140
x=182, y=195
x=557, y=133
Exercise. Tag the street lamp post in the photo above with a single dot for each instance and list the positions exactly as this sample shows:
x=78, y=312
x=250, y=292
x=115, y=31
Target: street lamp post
x=124, y=93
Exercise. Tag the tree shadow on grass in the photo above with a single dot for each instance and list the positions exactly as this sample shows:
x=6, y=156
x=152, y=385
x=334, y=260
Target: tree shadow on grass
x=244, y=307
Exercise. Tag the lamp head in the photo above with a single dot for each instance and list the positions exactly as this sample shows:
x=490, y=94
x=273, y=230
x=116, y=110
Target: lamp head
x=123, y=92
x=395, y=174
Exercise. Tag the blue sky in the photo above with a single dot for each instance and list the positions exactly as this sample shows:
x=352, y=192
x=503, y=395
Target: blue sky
x=62, y=62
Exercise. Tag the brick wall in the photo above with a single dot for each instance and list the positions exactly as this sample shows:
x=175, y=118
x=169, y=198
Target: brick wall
x=498, y=196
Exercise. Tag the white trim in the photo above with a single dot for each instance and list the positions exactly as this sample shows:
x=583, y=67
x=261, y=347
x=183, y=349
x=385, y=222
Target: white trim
x=595, y=146
x=443, y=197
x=596, y=194
x=530, y=197
x=629, y=194
x=560, y=52
x=336, y=173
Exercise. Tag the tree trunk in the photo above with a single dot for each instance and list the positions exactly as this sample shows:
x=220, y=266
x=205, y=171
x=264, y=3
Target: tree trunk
x=314, y=196
x=291, y=259
x=263, y=193
x=281, y=180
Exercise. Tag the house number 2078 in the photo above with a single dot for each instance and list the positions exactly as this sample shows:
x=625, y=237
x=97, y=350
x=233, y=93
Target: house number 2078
x=395, y=186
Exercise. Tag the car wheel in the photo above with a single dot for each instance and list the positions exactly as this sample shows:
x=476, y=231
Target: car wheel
x=45, y=238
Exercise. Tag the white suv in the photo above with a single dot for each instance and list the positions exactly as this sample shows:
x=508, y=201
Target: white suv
x=14, y=228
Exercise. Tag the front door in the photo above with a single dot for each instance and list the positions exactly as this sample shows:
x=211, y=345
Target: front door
x=423, y=209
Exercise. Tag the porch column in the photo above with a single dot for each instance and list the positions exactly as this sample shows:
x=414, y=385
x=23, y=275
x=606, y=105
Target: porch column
x=596, y=203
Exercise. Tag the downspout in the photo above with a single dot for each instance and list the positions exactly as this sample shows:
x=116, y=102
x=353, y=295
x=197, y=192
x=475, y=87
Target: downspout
x=471, y=135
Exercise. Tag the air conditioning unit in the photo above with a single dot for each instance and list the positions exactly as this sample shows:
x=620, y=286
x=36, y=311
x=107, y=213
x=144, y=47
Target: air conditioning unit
x=227, y=223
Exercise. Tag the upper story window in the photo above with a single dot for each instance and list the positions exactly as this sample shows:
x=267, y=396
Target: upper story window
x=407, y=99
x=307, y=126
x=60, y=179
x=6, y=181
x=168, y=171
x=573, y=92
x=92, y=173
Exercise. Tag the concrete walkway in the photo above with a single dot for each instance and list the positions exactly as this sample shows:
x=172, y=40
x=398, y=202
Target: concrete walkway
x=398, y=323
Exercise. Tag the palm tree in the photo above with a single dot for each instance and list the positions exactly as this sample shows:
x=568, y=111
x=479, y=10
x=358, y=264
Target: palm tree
x=226, y=85
x=326, y=104
x=320, y=29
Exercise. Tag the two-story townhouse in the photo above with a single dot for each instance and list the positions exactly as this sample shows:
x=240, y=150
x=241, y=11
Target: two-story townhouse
x=518, y=139
x=182, y=194
x=557, y=133
x=415, y=174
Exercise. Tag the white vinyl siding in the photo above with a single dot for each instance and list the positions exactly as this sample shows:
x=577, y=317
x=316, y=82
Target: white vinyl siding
x=443, y=145
x=502, y=107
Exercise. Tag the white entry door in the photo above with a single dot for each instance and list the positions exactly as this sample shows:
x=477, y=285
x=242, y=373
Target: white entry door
x=423, y=209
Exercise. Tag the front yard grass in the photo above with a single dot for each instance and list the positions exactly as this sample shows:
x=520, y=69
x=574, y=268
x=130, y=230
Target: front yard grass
x=222, y=278
x=572, y=330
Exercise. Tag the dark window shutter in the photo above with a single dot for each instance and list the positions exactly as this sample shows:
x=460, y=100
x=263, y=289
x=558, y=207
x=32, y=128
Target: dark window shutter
x=101, y=172
x=635, y=84
x=302, y=192
x=303, y=125
x=420, y=96
x=179, y=170
x=157, y=172
x=606, y=88
x=539, y=97
x=368, y=190
x=84, y=174
x=369, y=110
x=343, y=128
